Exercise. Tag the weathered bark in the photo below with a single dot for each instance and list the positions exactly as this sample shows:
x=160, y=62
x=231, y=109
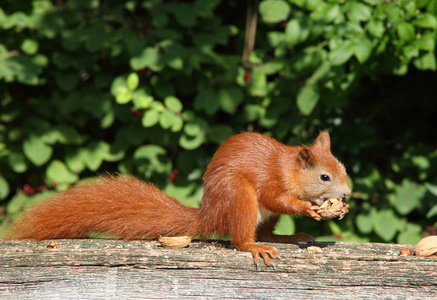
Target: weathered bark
x=106, y=269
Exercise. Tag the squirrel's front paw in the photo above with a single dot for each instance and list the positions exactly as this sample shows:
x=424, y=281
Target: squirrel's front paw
x=344, y=210
x=311, y=212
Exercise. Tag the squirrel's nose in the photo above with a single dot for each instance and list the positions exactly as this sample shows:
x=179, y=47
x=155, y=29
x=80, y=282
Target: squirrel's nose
x=347, y=191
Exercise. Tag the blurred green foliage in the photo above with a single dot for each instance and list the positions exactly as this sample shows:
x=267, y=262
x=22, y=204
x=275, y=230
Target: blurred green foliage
x=152, y=87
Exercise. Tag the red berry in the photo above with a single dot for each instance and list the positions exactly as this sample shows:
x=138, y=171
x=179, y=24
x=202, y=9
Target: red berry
x=406, y=252
x=284, y=25
x=138, y=113
x=173, y=175
x=54, y=184
x=338, y=236
x=27, y=189
x=2, y=211
x=247, y=77
x=41, y=189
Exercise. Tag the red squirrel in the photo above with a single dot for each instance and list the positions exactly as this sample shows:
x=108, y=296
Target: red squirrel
x=249, y=183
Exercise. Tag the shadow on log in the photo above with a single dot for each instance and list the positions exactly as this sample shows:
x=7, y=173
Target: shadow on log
x=108, y=269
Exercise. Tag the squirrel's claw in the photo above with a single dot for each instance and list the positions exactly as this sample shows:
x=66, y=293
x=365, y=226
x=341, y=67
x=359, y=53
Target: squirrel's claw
x=344, y=211
x=313, y=214
x=267, y=253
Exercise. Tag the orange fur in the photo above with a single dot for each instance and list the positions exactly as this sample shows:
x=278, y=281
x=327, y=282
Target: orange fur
x=251, y=180
x=121, y=206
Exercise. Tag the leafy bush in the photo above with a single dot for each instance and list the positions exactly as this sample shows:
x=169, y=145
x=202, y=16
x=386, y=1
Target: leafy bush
x=152, y=87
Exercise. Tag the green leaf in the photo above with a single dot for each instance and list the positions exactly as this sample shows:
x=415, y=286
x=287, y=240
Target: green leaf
x=376, y=28
x=96, y=153
x=123, y=95
x=285, y=226
x=274, y=11
x=62, y=61
x=75, y=161
x=426, y=42
x=159, y=19
x=426, y=20
x=365, y=221
x=36, y=150
x=4, y=188
x=141, y=99
x=67, y=81
x=132, y=81
x=167, y=119
x=57, y=171
x=410, y=51
x=205, y=8
x=406, y=32
x=431, y=188
x=184, y=15
x=421, y=162
x=358, y=12
x=208, y=100
x=298, y=31
x=432, y=7
x=191, y=143
x=150, y=118
x=421, y=3
x=258, y=83
x=410, y=235
x=408, y=196
x=363, y=48
x=230, y=98
x=432, y=212
x=307, y=98
x=332, y=13
x=192, y=129
x=68, y=135
x=173, y=104
x=386, y=224
x=150, y=58
x=275, y=38
x=372, y=2
x=342, y=53
x=17, y=162
x=177, y=123
x=16, y=204
x=30, y=46
x=148, y=160
x=426, y=62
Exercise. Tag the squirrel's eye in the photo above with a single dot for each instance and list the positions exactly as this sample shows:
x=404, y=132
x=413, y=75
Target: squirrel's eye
x=324, y=177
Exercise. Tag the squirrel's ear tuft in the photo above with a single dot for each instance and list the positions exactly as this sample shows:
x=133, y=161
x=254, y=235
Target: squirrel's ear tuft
x=305, y=158
x=323, y=141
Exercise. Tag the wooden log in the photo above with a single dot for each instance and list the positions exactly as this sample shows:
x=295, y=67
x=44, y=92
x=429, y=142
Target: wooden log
x=106, y=269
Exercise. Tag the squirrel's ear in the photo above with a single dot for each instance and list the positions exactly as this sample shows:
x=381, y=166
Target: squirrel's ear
x=323, y=141
x=305, y=158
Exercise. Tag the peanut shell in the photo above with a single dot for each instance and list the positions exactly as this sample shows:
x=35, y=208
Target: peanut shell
x=427, y=246
x=312, y=249
x=175, y=241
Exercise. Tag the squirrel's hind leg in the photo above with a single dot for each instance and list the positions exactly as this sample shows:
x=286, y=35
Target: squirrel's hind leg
x=243, y=219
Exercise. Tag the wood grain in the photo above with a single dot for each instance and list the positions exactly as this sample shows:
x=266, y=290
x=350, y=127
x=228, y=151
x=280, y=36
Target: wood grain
x=111, y=269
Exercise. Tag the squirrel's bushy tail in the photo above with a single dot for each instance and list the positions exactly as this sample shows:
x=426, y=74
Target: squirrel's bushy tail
x=123, y=207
